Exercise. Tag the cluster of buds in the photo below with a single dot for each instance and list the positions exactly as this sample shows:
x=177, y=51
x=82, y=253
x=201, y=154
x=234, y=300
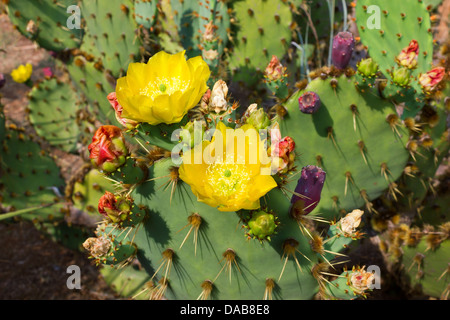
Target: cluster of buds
x=127, y=123
x=343, y=46
x=408, y=57
x=308, y=190
x=275, y=78
x=430, y=80
x=115, y=209
x=108, y=150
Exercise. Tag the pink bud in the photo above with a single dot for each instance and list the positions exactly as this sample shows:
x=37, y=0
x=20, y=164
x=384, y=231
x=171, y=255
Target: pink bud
x=432, y=78
x=408, y=56
x=274, y=70
x=48, y=73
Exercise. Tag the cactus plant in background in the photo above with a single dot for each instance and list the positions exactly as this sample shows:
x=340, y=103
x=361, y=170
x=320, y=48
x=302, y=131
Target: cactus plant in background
x=219, y=162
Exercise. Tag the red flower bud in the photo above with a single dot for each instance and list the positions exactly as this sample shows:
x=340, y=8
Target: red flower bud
x=108, y=150
x=114, y=208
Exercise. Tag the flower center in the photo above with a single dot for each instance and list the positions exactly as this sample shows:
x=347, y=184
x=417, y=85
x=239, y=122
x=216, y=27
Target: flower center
x=228, y=178
x=161, y=85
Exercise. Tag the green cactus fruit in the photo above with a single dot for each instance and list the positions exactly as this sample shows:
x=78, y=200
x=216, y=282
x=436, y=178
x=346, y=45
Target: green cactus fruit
x=262, y=225
x=29, y=177
x=191, y=19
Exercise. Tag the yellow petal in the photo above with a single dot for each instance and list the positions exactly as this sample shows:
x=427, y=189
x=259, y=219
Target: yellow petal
x=260, y=186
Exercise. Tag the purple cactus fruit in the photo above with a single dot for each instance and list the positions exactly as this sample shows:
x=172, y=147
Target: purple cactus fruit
x=308, y=190
x=343, y=45
x=309, y=102
x=2, y=80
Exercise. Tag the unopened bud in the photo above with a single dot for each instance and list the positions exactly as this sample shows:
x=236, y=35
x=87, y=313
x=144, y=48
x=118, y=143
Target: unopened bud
x=274, y=70
x=430, y=80
x=115, y=208
x=408, y=57
x=308, y=190
x=262, y=225
x=258, y=119
x=343, y=45
x=401, y=76
x=368, y=67
x=107, y=150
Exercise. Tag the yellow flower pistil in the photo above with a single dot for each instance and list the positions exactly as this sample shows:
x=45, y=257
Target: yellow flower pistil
x=230, y=181
x=162, y=90
x=22, y=73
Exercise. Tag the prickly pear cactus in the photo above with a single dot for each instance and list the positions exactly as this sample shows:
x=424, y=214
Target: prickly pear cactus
x=151, y=90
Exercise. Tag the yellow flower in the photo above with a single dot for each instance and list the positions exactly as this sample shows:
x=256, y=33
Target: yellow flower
x=231, y=172
x=162, y=90
x=22, y=73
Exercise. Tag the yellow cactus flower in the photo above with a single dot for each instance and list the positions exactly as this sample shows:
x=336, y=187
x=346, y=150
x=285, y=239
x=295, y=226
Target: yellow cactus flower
x=162, y=90
x=228, y=172
x=22, y=73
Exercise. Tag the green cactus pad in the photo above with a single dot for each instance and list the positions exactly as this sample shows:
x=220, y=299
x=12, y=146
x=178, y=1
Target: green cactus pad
x=145, y=12
x=353, y=151
x=221, y=249
x=110, y=34
x=51, y=20
x=434, y=264
x=52, y=111
x=29, y=177
x=128, y=281
x=191, y=18
x=386, y=28
x=94, y=84
x=259, y=23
